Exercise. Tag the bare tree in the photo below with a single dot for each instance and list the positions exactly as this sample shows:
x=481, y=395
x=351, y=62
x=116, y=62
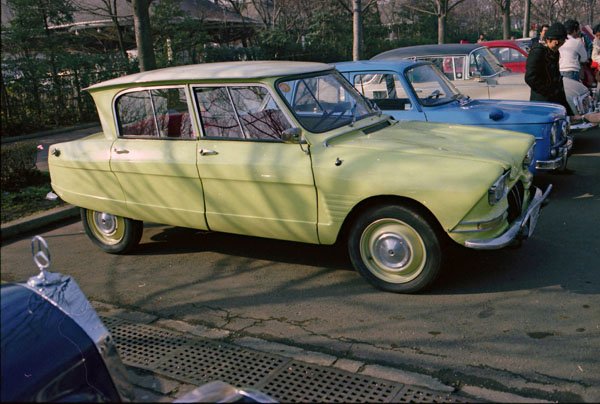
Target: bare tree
x=526, y=17
x=108, y=8
x=505, y=10
x=357, y=27
x=441, y=9
x=143, y=34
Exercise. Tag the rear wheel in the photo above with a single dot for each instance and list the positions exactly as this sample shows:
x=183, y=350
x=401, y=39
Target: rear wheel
x=113, y=234
x=395, y=249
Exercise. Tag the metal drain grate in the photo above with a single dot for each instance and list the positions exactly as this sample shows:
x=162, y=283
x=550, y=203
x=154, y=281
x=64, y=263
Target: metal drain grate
x=300, y=382
x=411, y=395
x=196, y=360
x=202, y=361
x=144, y=346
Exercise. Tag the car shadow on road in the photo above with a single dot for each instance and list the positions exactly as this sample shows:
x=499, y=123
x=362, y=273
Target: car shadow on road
x=465, y=271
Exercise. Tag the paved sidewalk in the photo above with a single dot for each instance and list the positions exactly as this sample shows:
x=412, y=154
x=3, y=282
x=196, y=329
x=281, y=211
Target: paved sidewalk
x=166, y=359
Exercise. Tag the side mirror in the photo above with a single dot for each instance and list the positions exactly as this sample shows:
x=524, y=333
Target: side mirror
x=292, y=135
x=477, y=76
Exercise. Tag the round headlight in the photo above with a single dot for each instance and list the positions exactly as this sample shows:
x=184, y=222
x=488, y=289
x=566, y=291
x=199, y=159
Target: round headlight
x=499, y=189
x=554, y=134
x=565, y=128
x=529, y=157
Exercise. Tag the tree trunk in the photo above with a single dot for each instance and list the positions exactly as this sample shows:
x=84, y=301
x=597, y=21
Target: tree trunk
x=357, y=29
x=526, y=18
x=143, y=34
x=441, y=28
x=506, y=20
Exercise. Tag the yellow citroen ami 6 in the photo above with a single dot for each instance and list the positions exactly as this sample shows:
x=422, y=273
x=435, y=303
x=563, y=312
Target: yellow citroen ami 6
x=290, y=151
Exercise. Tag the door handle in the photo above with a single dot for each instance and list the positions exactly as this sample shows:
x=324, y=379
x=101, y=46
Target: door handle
x=206, y=152
x=121, y=151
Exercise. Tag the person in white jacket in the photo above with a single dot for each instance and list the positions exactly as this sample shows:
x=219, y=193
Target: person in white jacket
x=572, y=53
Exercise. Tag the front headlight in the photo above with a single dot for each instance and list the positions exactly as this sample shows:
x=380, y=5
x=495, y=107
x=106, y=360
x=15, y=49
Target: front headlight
x=554, y=134
x=499, y=189
x=565, y=128
x=529, y=157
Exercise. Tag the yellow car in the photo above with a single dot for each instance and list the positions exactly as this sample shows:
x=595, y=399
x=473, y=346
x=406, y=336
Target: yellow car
x=290, y=151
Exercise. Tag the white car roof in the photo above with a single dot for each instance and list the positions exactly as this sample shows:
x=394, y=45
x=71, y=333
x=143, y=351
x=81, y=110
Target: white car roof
x=217, y=71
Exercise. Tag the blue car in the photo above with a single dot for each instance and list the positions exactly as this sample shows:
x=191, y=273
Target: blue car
x=417, y=90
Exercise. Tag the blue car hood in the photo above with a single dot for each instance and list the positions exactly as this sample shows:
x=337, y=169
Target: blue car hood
x=495, y=112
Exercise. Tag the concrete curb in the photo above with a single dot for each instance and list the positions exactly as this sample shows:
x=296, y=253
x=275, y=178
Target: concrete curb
x=468, y=392
x=51, y=132
x=29, y=223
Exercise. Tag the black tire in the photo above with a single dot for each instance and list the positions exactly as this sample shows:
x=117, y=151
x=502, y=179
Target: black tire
x=395, y=249
x=113, y=234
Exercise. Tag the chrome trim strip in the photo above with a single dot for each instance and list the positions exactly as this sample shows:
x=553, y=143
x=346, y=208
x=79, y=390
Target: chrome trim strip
x=499, y=217
x=517, y=229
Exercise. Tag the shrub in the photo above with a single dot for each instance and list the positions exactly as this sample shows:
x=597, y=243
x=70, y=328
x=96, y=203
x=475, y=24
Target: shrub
x=18, y=165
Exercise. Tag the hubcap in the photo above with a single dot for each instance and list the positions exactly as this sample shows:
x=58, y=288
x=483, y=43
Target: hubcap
x=106, y=223
x=106, y=228
x=392, y=250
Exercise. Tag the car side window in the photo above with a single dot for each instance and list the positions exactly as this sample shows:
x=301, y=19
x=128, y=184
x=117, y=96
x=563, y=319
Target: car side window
x=136, y=118
x=247, y=112
x=384, y=89
x=156, y=113
x=451, y=66
x=217, y=114
x=259, y=114
x=516, y=56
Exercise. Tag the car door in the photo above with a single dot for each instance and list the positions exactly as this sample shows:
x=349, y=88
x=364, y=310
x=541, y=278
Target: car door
x=254, y=183
x=389, y=92
x=154, y=157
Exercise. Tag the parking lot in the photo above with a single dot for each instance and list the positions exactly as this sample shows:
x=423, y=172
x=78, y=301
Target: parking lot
x=523, y=320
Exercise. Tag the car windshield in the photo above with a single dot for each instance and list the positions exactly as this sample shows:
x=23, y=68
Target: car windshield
x=431, y=86
x=325, y=102
x=483, y=61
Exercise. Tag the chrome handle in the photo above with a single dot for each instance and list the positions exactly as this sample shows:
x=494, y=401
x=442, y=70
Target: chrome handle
x=206, y=152
x=121, y=151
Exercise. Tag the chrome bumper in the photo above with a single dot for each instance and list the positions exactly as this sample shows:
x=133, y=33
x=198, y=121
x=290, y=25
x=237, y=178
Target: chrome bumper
x=520, y=229
x=582, y=126
x=560, y=162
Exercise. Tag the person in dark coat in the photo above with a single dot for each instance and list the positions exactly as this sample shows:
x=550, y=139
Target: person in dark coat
x=542, y=73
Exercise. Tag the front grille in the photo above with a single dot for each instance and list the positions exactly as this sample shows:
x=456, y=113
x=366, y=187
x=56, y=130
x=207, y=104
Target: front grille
x=516, y=197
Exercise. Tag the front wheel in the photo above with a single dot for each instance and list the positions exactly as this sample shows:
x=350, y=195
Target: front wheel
x=113, y=234
x=395, y=249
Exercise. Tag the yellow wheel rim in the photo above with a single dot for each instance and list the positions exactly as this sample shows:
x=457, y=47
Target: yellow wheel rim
x=393, y=251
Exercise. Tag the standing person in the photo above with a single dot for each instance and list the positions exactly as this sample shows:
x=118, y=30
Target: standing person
x=542, y=73
x=540, y=35
x=572, y=53
x=481, y=38
x=596, y=48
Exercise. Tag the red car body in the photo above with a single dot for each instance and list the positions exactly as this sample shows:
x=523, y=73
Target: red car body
x=512, y=54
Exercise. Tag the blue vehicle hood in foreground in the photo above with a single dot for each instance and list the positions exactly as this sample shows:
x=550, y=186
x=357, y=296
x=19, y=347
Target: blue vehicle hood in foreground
x=46, y=356
x=494, y=112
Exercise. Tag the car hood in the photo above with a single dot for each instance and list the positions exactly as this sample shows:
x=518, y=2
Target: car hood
x=571, y=86
x=504, y=148
x=496, y=112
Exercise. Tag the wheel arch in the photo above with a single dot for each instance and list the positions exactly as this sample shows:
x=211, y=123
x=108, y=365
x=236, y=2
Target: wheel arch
x=380, y=200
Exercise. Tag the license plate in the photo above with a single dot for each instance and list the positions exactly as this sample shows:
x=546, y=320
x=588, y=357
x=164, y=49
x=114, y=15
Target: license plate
x=533, y=218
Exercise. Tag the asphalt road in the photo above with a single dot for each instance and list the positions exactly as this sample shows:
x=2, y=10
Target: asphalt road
x=524, y=320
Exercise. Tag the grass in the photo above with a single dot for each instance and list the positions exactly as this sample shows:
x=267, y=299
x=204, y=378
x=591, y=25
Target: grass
x=29, y=199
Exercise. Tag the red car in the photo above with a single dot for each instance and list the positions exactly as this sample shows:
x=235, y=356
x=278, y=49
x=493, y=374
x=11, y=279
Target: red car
x=512, y=54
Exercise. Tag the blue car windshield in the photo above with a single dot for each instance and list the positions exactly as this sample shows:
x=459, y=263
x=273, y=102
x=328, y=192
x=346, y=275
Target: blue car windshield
x=431, y=86
x=325, y=102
